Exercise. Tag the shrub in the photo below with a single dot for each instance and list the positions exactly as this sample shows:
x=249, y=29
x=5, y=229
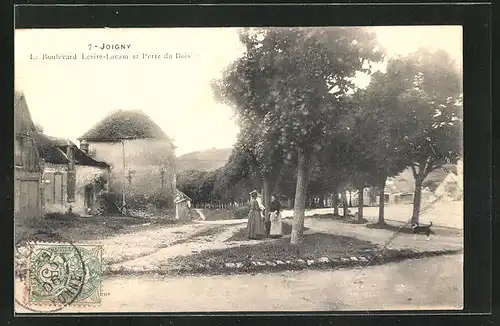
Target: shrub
x=160, y=200
x=111, y=202
x=242, y=211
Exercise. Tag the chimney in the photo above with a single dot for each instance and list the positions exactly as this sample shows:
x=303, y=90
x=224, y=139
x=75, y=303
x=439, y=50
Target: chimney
x=84, y=146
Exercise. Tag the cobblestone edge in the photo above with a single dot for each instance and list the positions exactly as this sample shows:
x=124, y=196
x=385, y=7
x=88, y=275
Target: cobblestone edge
x=276, y=265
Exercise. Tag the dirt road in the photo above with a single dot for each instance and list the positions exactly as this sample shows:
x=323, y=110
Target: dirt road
x=432, y=283
x=445, y=214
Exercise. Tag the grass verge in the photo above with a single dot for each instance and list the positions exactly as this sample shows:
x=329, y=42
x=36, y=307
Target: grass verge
x=272, y=266
x=76, y=228
x=349, y=219
x=314, y=245
x=241, y=234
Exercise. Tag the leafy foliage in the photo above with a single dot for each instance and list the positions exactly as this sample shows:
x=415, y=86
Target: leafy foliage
x=289, y=94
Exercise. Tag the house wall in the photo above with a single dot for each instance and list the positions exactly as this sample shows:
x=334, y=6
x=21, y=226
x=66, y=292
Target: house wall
x=27, y=174
x=404, y=199
x=145, y=158
x=54, y=188
x=86, y=176
x=426, y=198
x=55, y=193
x=27, y=195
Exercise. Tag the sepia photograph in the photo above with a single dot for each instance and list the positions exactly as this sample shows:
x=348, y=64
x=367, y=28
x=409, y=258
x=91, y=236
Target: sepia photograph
x=252, y=169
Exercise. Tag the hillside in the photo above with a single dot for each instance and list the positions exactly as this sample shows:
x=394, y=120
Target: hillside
x=206, y=160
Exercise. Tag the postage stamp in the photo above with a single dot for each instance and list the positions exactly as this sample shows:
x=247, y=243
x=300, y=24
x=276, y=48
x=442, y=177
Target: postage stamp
x=63, y=274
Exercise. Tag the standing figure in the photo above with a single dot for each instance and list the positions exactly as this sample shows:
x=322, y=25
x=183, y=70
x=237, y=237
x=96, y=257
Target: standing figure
x=267, y=221
x=255, y=224
x=275, y=217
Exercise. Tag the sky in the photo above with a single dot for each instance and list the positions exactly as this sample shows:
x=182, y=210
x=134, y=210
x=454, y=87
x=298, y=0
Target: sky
x=68, y=97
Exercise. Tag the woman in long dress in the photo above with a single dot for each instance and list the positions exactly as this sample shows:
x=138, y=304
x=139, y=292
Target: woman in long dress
x=276, y=225
x=255, y=224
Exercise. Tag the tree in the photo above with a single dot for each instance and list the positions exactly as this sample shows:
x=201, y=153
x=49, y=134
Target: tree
x=196, y=185
x=412, y=117
x=379, y=135
x=244, y=86
x=238, y=176
x=302, y=76
x=432, y=102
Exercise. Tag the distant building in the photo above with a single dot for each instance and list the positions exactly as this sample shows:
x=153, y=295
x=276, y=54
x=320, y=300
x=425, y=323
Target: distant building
x=402, y=187
x=141, y=156
x=368, y=198
x=27, y=164
x=451, y=188
x=72, y=181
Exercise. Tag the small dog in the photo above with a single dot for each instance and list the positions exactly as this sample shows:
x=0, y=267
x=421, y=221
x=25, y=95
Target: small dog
x=422, y=229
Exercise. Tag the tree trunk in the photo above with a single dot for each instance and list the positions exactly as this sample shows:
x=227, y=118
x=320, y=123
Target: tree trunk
x=381, y=201
x=417, y=198
x=335, y=203
x=344, y=203
x=372, y=196
x=300, y=199
x=360, y=203
x=266, y=196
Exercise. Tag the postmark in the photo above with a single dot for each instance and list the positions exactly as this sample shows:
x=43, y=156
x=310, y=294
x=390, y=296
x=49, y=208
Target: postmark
x=61, y=274
x=55, y=275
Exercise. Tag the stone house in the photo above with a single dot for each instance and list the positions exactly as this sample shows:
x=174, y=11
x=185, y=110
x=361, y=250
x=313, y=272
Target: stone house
x=141, y=157
x=72, y=181
x=27, y=164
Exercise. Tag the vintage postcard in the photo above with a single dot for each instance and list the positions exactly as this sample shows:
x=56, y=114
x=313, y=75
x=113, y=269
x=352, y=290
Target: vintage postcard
x=238, y=169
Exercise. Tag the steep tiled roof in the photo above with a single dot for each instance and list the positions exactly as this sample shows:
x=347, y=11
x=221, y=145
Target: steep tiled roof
x=130, y=124
x=52, y=150
x=22, y=117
